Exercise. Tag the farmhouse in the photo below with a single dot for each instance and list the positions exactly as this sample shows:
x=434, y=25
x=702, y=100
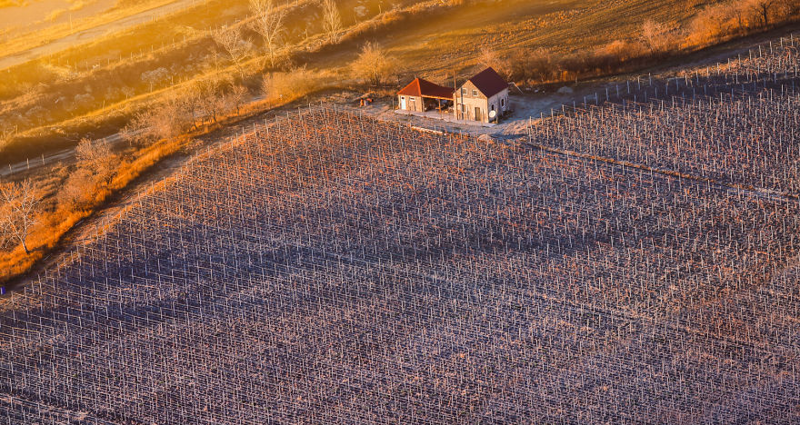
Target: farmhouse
x=422, y=95
x=483, y=97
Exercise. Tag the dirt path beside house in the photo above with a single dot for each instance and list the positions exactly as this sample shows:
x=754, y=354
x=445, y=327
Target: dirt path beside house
x=527, y=107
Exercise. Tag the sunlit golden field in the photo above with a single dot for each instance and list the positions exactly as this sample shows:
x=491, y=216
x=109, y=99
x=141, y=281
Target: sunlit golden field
x=94, y=86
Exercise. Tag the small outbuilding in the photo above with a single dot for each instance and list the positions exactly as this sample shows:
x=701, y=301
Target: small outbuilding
x=483, y=97
x=423, y=95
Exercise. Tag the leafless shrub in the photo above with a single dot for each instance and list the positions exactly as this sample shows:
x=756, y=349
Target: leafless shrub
x=96, y=156
x=374, y=65
x=290, y=85
x=658, y=37
x=79, y=190
x=19, y=210
x=165, y=121
x=491, y=58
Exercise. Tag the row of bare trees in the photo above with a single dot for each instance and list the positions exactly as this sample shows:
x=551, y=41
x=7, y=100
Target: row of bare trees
x=21, y=206
x=21, y=203
x=269, y=22
x=740, y=17
x=202, y=101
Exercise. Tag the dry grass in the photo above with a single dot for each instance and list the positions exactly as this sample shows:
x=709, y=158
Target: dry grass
x=30, y=40
x=61, y=216
x=96, y=88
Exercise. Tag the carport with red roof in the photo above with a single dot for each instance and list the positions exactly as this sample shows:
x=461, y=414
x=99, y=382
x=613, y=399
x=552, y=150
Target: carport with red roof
x=420, y=94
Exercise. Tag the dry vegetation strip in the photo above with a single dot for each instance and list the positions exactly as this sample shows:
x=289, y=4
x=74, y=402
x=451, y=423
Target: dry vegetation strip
x=153, y=135
x=652, y=43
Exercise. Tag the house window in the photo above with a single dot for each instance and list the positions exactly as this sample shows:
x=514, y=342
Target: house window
x=474, y=93
x=503, y=102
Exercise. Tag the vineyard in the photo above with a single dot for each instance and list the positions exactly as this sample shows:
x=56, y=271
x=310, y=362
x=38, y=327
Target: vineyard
x=737, y=123
x=331, y=268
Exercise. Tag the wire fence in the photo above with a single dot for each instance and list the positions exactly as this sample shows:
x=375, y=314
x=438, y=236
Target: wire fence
x=330, y=268
x=737, y=126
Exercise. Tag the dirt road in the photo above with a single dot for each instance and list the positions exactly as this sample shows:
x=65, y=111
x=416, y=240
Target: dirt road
x=88, y=35
x=33, y=163
x=8, y=170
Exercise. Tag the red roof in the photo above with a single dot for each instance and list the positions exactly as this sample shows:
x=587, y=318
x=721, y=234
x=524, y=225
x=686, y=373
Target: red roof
x=489, y=82
x=425, y=88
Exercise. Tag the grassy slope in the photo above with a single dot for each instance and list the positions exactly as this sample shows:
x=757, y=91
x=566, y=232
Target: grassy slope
x=25, y=41
x=433, y=44
x=429, y=44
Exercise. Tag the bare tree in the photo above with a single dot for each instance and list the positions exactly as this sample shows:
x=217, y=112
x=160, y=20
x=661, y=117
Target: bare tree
x=763, y=9
x=653, y=35
x=97, y=157
x=269, y=24
x=164, y=121
x=737, y=12
x=210, y=94
x=236, y=98
x=234, y=46
x=373, y=65
x=19, y=211
x=491, y=58
x=79, y=189
x=190, y=100
x=331, y=20
x=791, y=7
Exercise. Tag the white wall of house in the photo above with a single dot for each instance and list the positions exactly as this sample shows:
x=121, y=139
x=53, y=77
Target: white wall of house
x=471, y=104
x=498, y=102
x=410, y=103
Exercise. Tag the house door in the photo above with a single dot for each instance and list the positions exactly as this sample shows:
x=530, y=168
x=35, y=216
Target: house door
x=402, y=102
x=478, y=114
